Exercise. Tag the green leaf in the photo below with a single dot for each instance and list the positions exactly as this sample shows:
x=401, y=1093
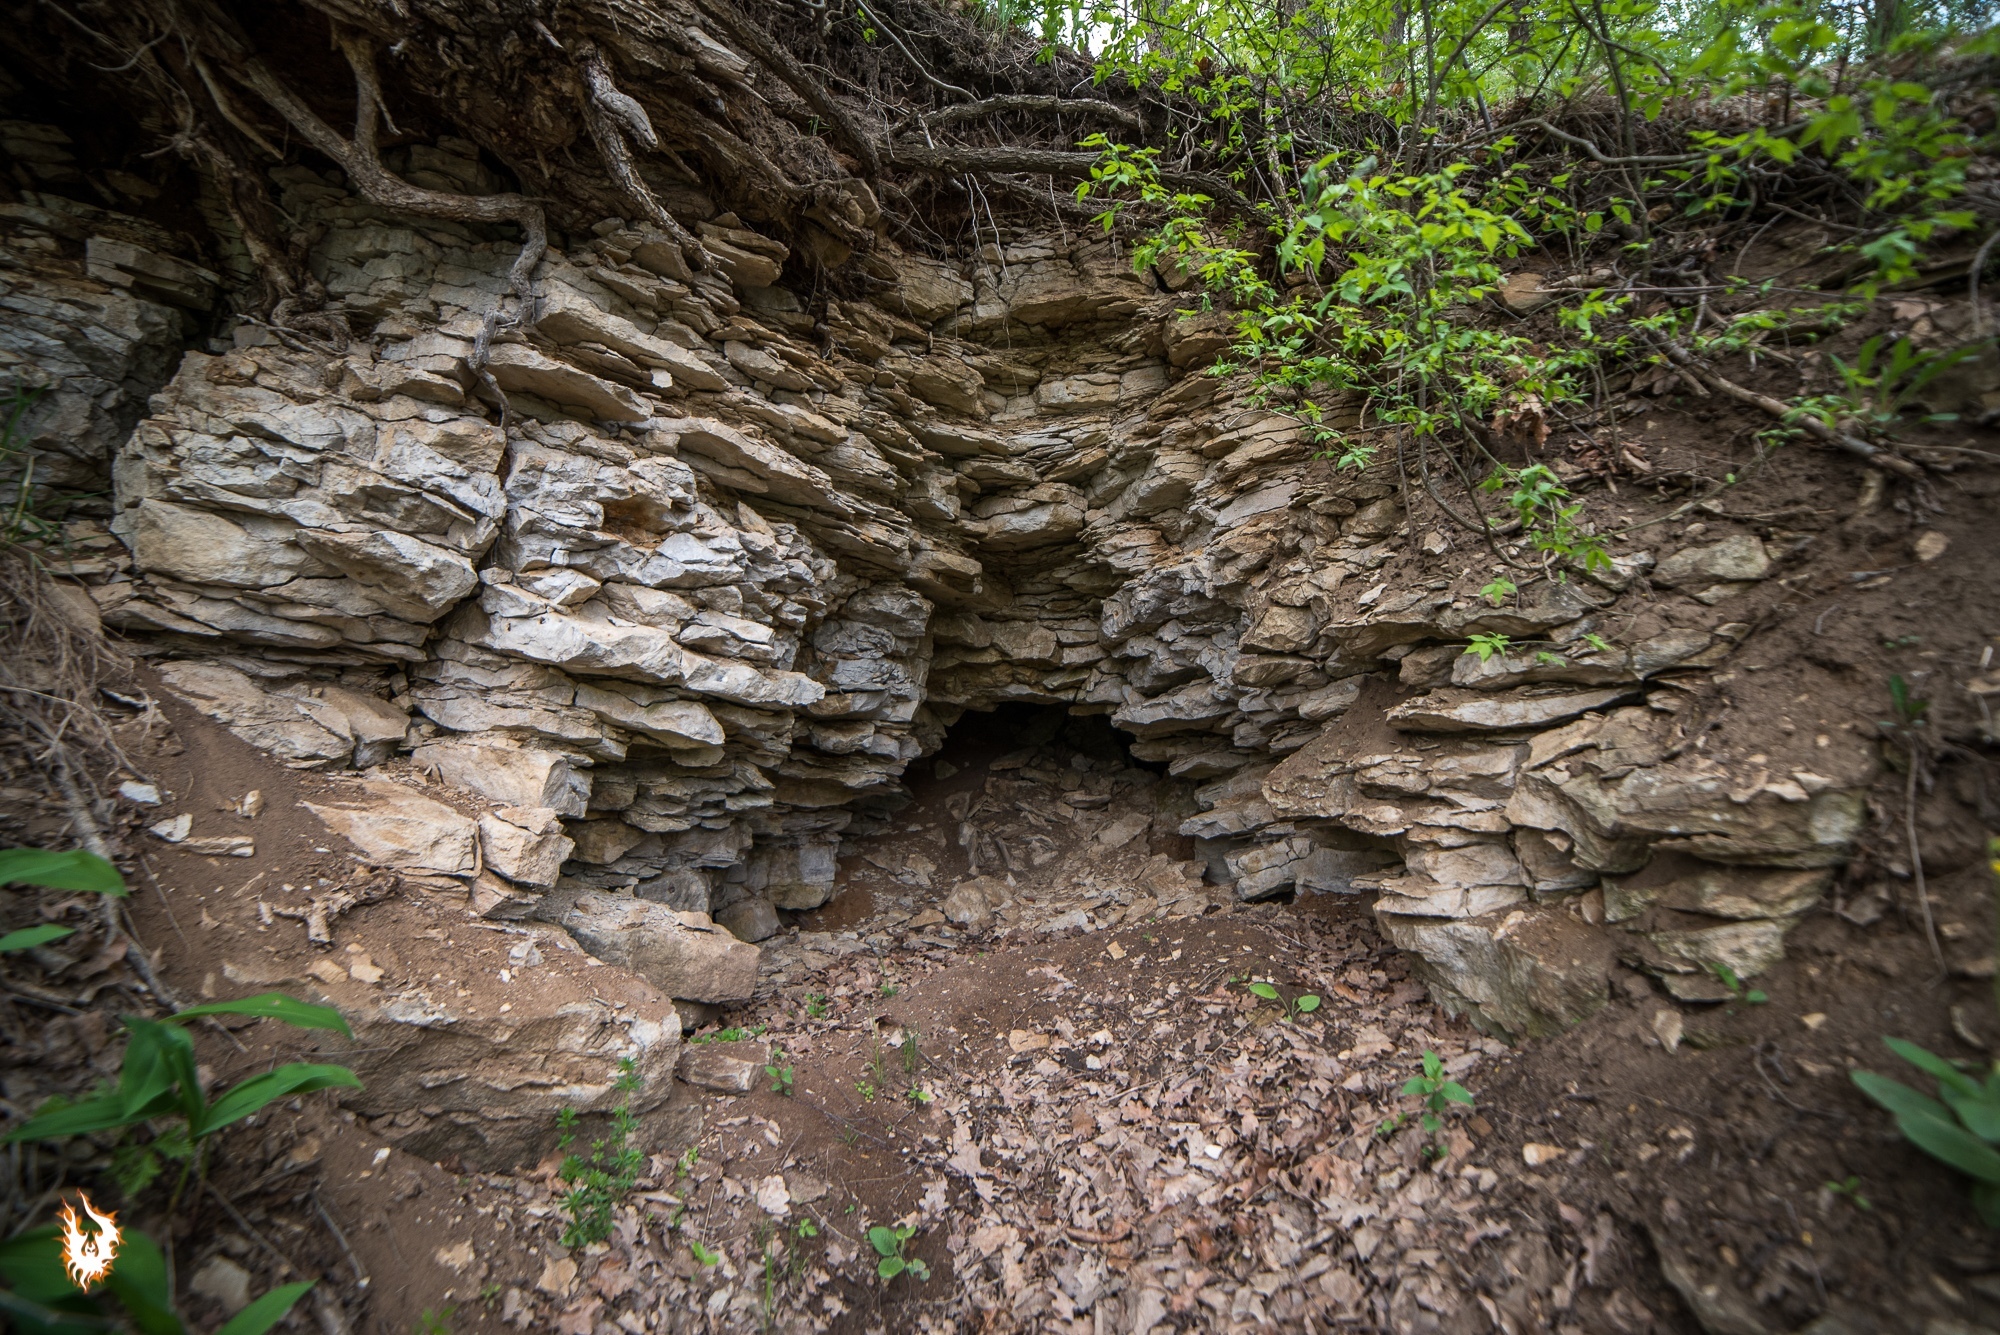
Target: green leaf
x=1457, y=1093
x=267, y=1311
x=1307, y=1004
x=1980, y=1116
x=1954, y=1145
x=75, y=869
x=31, y=1264
x=1264, y=990
x=884, y=1240
x=259, y=1091
x=703, y=1254
x=1898, y=1098
x=76, y=1119
x=890, y=1266
x=273, y=1006
x=33, y=1318
x=1948, y=1075
x=139, y=1281
x=30, y=937
x=1986, y=1200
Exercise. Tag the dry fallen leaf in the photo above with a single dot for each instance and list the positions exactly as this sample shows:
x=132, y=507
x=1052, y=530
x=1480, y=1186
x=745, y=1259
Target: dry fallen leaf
x=1535, y=1154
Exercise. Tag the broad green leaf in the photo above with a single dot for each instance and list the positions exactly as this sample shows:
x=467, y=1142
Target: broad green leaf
x=266, y=1312
x=259, y=1091
x=1457, y=1093
x=30, y=937
x=31, y=1265
x=1264, y=990
x=890, y=1266
x=139, y=1281
x=273, y=1006
x=1980, y=1116
x=1948, y=1075
x=884, y=1240
x=77, y=1119
x=1898, y=1097
x=1952, y=1144
x=1308, y=1004
x=76, y=869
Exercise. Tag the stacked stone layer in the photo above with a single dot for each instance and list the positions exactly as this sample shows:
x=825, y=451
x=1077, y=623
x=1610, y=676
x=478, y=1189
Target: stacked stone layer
x=740, y=553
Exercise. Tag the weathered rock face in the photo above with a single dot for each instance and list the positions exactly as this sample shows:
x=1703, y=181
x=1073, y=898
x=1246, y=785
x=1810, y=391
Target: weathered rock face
x=724, y=568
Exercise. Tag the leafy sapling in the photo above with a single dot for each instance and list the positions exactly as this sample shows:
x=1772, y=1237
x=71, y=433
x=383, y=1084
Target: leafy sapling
x=780, y=1076
x=1437, y=1091
x=888, y=1244
x=1488, y=644
x=599, y=1182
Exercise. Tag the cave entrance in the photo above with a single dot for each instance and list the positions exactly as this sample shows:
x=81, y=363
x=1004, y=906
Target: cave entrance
x=1027, y=815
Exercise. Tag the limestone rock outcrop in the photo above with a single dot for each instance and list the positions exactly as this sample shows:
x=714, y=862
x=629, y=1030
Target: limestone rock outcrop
x=674, y=622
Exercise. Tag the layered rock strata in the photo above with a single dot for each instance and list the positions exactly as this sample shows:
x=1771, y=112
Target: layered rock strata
x=674, y=623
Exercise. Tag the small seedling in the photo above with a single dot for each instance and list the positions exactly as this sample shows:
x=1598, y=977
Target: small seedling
x=866, y=1089
x=1436, y=1091
x=918, y=1094
x=689, y=1158
x=888, y=989
x=1545, y=658
x=1851, y=1189
x=888, y=1244
x=703, y=1254
x=806, y=1229
x=1488, y=645
x=1391, y=1125
x=1305, y=1004
x=1598, y=643
x=1499, y=591
x=780, y=1076
x=1729, y=979
x=733, y=1034
x=817, y=1007
x=490, y=1293
x=435, y=1321
x=910, y=1053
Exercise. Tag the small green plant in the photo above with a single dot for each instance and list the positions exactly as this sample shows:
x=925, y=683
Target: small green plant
x=732, y=1034
x=685, y=1165
x=1729, y=979
x=911, y=1058
x=1499, y=590
x=72, y=870
x=888, y=1244
x=1878, y=386
x=918, y=1094
x=1598, y=643
x=1959, y=1128
x=704, y=1255
x=158, y=1084
x=1436, y=1091
x=599, y=1182
x=888, y=989
x=805, y=1228
x=866, y=1089
x=1851, y=1189
x=1303, y=1004
x=435, y=1320
x=780, y=1076
x=817, y=1007
x=1391, y=1124
x=1487, y=645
